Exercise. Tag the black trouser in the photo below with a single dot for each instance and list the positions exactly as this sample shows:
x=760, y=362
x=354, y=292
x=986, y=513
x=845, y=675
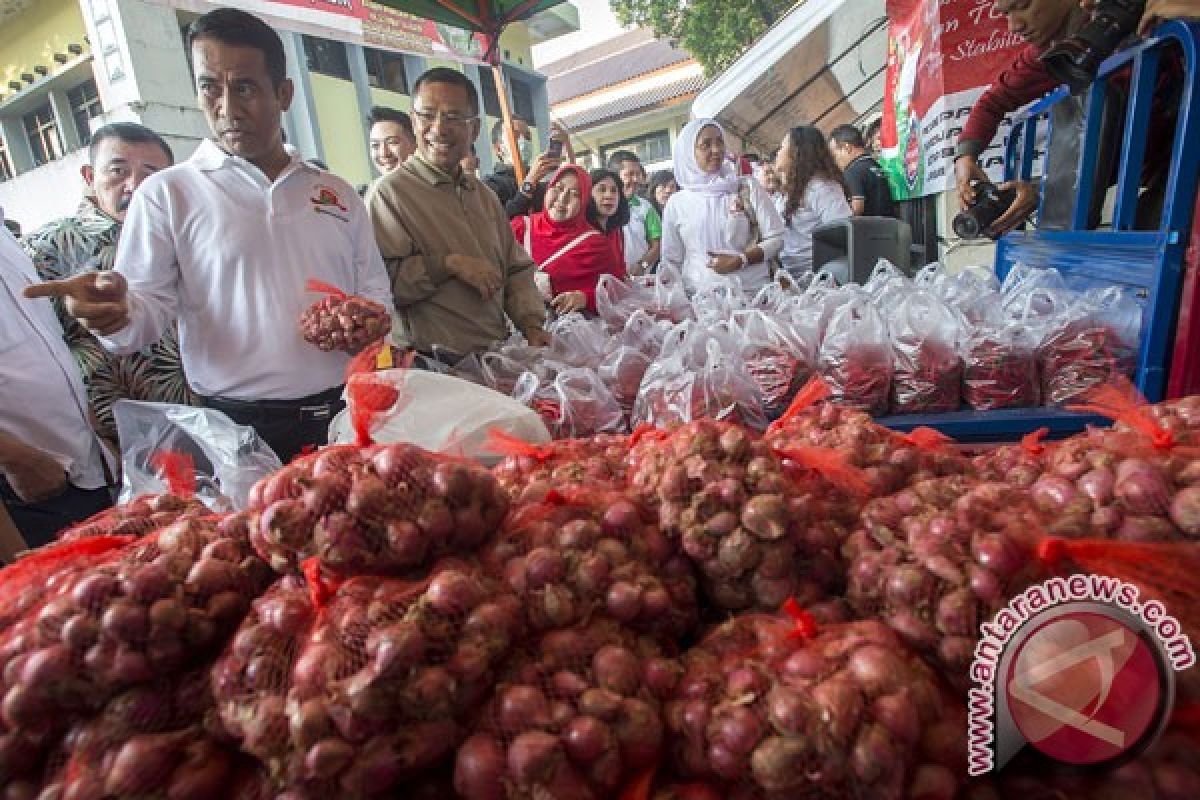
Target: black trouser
x=288, y=426
x=38, y=523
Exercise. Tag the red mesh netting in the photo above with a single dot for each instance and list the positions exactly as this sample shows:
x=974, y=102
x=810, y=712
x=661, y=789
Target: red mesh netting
x=579, y=552
x=728, y=501
x=529, y=471
x=380, y=510
x=938, y=559
x=779, y=707
x=348, y=688
x=575, y=716
x=153, y=608
x=342, y=322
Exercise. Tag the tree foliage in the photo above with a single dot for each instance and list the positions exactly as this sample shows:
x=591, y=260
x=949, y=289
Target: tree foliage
x=715, y=32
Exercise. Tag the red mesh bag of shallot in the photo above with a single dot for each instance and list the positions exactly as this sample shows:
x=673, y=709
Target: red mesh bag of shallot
x=148, y=512
x=575, y=715
x=1139, y=481
x=939, y=558
x=737, y=512
x=347, y=688
x=151, y=608
x=577, y=553
x=529, y=471
x=774, y=707
x=155, y=740
x=885, y=460
x=339, y=321
x=386, y=509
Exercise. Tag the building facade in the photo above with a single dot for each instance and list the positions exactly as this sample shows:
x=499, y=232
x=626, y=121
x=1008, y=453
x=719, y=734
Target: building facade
x=632, y=92
x=70, y=66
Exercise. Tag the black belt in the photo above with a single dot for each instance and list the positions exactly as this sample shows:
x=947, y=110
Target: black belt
x=315, y=407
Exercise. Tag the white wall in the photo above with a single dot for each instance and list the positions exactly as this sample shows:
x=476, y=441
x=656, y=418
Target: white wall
x=45, y=193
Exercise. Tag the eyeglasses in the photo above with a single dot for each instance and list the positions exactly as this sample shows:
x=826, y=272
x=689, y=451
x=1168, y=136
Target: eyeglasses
x=428, y=118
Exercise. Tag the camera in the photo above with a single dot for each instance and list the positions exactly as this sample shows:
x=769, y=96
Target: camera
x=976, y=220
x=1075, y=60
x=555, y=148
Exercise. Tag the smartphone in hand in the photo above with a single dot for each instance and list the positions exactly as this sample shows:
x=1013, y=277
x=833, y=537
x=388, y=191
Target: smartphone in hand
x=555, y=149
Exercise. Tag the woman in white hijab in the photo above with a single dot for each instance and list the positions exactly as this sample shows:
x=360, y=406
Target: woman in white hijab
x=717, y=225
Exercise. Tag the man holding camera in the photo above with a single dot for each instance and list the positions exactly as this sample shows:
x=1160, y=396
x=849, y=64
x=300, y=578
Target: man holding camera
x=1062, y=48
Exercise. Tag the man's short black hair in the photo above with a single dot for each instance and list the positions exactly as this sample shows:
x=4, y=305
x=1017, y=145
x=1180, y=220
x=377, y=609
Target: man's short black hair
x=498, y=128
x=848, y=134
x=385, y=114
x=130, y=133
x=452, y=77
x=619, y=157
x=234, y=27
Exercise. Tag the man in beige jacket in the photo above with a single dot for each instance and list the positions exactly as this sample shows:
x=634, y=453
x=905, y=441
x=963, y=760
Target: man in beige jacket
x=456, y=270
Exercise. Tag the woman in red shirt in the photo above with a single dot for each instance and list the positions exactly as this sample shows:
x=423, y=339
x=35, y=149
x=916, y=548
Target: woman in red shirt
x=568, y=249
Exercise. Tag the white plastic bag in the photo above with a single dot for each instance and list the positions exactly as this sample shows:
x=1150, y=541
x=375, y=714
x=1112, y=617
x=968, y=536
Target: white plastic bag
x=228, y=458
x=444, y=414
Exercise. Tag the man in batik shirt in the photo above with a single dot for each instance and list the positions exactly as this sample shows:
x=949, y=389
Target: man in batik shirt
x=121, y=156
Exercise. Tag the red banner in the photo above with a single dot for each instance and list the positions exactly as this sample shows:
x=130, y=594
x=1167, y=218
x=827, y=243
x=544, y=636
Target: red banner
x=942, y=54
x=346, y=8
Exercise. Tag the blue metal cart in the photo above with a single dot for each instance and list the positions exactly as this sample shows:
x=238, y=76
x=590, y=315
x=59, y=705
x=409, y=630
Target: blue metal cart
x=1148, y=262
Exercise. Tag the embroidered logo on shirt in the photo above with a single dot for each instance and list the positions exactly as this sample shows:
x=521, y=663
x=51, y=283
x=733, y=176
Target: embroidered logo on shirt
x=327, y=201
x=327, y=197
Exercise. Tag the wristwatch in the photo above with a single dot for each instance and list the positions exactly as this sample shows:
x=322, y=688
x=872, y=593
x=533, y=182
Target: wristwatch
x=527, y=189
x=745, y=261
x=645, y=265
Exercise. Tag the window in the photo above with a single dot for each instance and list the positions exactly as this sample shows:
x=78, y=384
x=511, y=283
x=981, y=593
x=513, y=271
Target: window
x=518, y=90
x=85, y=106
x=42, y=130
x=522, y=99
x=491, y=101
x=385, y=70
x=649, y=148
x=326, y=57
x=6, y=170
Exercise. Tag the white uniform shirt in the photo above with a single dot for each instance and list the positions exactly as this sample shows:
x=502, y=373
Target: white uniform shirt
x=213, y=243
x=689, y=234
x=636, y=242
x=42, y=400
x=824, y=201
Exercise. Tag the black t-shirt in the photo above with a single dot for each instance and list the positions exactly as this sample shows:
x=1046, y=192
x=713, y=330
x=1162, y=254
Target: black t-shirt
x=865, y=179
x=504, y=183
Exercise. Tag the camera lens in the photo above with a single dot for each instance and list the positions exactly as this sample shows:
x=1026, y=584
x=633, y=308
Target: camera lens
x=966, y=226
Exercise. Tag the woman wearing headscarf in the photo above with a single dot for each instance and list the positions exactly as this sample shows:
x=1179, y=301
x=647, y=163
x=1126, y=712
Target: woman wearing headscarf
x=567, y=247
x=718, y=225
x=813, y=194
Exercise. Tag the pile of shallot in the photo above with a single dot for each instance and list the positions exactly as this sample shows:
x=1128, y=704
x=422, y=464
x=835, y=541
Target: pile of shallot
x=381, y=510
x=339, y=321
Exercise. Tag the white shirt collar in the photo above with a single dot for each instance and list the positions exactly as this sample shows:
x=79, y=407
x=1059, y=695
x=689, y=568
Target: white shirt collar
x=209, y=157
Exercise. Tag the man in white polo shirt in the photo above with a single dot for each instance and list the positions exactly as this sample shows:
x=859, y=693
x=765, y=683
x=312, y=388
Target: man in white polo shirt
x=226, y=241
x=53, y=470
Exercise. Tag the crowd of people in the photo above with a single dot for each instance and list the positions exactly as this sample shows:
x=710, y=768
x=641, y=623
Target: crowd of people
x=184, y=282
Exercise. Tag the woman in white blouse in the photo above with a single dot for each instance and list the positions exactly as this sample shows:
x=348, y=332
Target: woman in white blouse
x=717, y=225
x=813, y=194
